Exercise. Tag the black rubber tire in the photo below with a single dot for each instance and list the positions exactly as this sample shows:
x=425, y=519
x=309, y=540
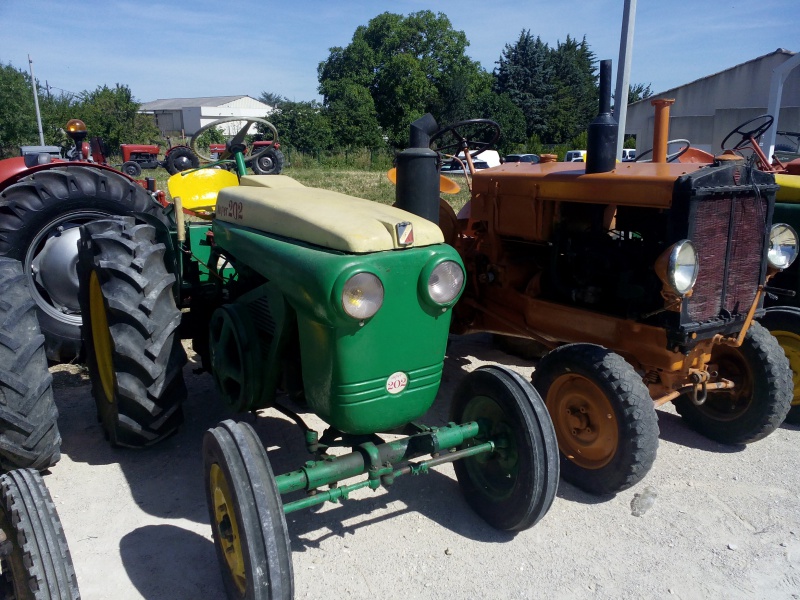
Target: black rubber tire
x=783, y=322
x=524, y=348
x=28, y=415
x=180, y=159
x=633, y=451
x=509, y=495
x=34, y=557
x=135, y=358
x=239, y=478
x=765, y=407
x=269, y=162
x=32, y=211
x=131, y=168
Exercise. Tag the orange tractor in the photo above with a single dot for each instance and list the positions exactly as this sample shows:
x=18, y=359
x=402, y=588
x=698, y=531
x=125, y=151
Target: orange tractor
x=641, y=281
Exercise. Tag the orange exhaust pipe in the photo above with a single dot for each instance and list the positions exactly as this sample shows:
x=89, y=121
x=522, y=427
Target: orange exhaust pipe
x=661, y=129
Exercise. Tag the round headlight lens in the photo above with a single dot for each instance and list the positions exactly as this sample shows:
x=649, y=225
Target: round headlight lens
x=782, y=246
x=445, y=282
x=362, y=295
x=683, y=267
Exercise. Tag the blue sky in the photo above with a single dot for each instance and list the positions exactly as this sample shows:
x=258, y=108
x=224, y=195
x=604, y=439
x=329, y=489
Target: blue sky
x=219, y=48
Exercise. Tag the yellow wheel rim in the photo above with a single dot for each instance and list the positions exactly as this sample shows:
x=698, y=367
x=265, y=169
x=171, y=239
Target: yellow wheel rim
x=584, y=420
x=227, y=528
x=790, y=342
x=101, y=337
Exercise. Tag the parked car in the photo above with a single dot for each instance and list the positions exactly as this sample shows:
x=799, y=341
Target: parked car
x=527, y=158
x=628, y=155
x=575, y=156
x=453, y=167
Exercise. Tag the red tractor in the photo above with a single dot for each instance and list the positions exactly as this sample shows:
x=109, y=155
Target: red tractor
x=145, y=156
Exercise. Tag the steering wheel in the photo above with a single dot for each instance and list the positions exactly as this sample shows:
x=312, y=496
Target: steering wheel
x=751, y=134
x=479, y=134
x=236, y=140
x=670, y=157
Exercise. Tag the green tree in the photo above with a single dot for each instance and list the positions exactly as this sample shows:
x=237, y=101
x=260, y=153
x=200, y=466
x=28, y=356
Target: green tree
x=274, y=100
x=303, y=125
x=17, y=114
x=351, y=113
x=525, y=75
x=638, y=91
x=112, y=114
x=575, y=102
x=409, y=66
x=500, y=108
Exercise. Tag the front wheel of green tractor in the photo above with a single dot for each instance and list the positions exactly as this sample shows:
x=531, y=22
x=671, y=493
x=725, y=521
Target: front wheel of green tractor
x=784, y=323
x=761, y=396
x=604, y=418
x=246, y=514
x=130, y=331
x=514, y=486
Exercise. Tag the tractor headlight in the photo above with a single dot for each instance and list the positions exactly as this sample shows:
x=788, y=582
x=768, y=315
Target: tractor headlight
x=678, y=267
x=782, y=246
x=362, y=295
x=445, y=282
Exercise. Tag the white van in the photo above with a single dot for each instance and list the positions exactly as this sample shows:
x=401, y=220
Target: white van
x=628, y=154
x=575, y=156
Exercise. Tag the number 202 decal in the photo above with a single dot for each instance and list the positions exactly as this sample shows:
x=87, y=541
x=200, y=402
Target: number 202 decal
x=397, y=382
x=232, y=211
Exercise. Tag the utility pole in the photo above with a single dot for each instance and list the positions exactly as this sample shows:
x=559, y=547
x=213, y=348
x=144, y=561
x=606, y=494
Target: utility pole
x=36, y=103
x=624, y=71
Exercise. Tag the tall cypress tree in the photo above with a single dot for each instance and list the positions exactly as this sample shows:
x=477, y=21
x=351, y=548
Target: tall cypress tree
x=525, y=74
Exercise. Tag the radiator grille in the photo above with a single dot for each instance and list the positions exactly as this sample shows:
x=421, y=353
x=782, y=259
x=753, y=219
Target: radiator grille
x=728, y=235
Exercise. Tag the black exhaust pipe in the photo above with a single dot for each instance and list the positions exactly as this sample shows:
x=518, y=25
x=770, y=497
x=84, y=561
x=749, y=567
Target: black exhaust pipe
x=417, y=188
x=601, y=147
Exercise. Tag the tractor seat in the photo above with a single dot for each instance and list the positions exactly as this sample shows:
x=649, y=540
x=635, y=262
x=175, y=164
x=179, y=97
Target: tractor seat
x=198, y=189
x=324, y=218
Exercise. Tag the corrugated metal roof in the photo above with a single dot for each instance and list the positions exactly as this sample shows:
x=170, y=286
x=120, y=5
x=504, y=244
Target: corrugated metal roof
x=179, y=103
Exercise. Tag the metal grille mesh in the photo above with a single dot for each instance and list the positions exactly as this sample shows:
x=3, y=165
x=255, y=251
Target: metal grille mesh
x=727, y=279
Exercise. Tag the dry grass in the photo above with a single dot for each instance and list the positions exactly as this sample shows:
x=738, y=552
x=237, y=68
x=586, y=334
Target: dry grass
x=372, y=185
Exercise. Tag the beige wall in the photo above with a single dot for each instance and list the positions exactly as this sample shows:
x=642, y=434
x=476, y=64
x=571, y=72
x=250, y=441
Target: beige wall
x=705, y=111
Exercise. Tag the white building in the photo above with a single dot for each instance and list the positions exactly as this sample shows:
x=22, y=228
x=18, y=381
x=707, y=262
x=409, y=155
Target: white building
x=706, y=110
x=184, y=116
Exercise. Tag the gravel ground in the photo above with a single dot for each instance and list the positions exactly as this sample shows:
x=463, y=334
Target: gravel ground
x=725, y=522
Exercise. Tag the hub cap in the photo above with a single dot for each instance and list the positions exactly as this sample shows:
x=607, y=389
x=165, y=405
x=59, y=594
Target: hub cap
x=227, y=527
x=584, y=420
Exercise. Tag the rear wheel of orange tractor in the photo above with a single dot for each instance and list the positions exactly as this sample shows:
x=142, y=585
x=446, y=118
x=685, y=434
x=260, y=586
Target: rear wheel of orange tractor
x=784, y=323
x=760, y=400
x=604, y=418
x=130, y=331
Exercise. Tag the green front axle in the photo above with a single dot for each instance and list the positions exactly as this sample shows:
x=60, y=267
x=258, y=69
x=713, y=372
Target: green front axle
x=382, y=462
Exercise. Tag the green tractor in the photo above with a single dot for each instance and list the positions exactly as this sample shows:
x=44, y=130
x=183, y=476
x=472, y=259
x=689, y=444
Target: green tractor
x=295, y=296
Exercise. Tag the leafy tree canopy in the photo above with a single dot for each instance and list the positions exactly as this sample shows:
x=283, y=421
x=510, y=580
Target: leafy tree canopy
x=303, y=125
x=408, y=65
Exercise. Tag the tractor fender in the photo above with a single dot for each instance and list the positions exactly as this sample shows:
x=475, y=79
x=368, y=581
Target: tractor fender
x=14, y=169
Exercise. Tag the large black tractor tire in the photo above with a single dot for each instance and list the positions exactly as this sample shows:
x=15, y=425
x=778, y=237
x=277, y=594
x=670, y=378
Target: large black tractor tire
x=783, y=322
x=39, y=220
x=35, y=562
x=269, y=162
x=28, y=415
x=603, y=415
x=513, y=487
x=181, y=159
x=133, y=349
x=760, y=400
x=246, y=514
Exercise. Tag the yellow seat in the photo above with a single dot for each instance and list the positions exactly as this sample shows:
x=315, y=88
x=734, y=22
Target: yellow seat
x=198, y=190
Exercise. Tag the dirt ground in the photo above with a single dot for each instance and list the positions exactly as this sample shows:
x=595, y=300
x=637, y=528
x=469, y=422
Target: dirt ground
x=725, y=522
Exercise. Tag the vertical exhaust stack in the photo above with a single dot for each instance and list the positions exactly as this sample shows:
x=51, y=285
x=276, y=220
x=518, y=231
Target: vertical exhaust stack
x=417, y=188
x=601, y=148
